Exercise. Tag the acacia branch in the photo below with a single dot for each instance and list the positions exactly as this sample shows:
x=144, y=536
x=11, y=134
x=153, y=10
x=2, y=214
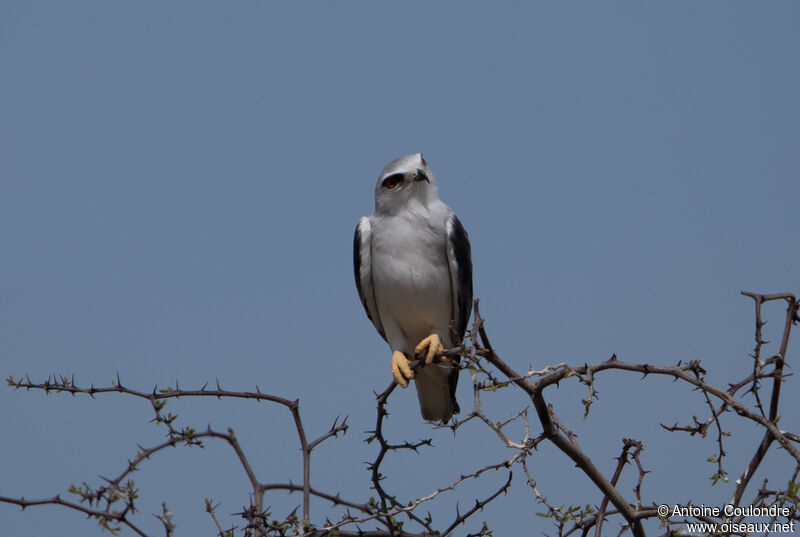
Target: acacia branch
x=387, y=507
x=780, y=359
x=157, y=398
x=103, y=516
x=622, y=460
x=551, y=432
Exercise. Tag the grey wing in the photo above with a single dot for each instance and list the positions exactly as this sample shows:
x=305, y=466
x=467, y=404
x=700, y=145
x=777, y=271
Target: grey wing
x=459, y=258
x=362, y=266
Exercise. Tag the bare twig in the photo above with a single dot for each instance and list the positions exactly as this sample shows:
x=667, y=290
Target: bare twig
x=112, y=504
x=769, y=436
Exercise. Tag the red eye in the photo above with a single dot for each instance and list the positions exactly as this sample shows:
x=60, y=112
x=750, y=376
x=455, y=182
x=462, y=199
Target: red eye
x=392, y=181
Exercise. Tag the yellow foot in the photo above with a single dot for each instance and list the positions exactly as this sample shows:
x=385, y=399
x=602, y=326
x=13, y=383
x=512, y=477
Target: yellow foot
x=400, y=370
x=434, y=345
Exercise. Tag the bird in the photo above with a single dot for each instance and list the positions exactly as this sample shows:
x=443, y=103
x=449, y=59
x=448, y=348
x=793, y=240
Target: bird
x=413, y=269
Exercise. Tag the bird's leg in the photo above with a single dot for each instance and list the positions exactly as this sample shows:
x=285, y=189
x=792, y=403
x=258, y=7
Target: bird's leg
x=400, y=369
x=434, y=345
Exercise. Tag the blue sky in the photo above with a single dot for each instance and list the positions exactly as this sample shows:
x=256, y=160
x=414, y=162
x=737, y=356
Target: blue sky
x=180, y=182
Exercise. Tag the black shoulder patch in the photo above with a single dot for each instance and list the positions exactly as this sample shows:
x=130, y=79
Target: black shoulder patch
x=461, y=248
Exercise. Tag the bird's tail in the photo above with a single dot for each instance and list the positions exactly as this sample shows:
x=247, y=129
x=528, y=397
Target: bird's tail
x=436, y=391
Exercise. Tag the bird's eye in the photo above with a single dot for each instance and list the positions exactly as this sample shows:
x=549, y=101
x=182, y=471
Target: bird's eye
x=392, y=181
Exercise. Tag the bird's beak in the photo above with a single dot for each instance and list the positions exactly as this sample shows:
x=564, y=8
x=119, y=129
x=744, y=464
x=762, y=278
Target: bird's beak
x=421, y=176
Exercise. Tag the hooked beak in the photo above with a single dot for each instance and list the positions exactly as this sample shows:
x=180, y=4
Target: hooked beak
x=421, y=176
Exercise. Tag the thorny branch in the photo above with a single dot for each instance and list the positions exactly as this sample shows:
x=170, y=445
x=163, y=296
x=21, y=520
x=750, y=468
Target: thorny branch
x=622, y=460
x=112, y=504
x=692, y=372
x=778, y=376
x=185, y=436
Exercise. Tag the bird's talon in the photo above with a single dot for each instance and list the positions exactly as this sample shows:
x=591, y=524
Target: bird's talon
x=433, y=344
x=401, y=371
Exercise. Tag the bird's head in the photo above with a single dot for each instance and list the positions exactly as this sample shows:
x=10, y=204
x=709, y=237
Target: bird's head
x=403, y=183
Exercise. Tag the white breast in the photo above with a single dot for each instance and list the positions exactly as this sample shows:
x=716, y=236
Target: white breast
x=411, y=278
